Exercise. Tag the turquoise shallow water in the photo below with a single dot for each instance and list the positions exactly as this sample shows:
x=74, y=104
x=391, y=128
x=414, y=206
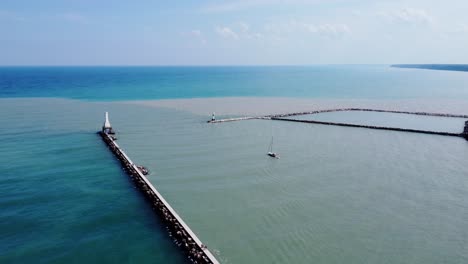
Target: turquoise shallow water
x=63, y=196
x=321, y=81
x=337, y=195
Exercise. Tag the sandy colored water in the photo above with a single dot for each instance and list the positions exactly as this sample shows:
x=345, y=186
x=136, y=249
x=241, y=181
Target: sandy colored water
x=337, y=195
x=229, y=106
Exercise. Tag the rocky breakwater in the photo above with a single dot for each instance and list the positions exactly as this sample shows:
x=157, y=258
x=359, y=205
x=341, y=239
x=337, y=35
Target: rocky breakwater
x=177, y=229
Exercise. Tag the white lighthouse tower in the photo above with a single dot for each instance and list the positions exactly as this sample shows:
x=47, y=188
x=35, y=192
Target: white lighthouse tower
x=107, y=128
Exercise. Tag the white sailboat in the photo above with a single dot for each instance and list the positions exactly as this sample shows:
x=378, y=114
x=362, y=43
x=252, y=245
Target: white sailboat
x=270, y=150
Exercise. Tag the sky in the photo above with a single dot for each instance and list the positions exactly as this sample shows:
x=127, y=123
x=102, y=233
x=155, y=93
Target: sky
x=232, y=32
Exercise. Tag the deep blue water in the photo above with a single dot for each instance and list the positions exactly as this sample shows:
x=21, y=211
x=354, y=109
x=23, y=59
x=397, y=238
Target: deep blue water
x=64, y=197
x=332, y=81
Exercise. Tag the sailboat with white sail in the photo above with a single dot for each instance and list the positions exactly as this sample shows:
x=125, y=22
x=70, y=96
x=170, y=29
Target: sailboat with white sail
x=270, y=150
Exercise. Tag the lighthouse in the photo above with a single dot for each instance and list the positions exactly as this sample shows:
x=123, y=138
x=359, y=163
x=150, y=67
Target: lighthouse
x=213, y=118
x=107, y=128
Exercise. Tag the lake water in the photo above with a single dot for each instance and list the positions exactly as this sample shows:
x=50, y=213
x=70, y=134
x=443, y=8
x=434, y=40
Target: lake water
x=336, y=195
x=420, y=122
x=329, y=81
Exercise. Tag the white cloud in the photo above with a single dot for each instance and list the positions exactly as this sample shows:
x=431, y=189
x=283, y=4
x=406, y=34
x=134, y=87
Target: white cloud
x=325, y=29
x=226, y=32
x=244, y=27
x=238, y=31
x=330, y=29
x=246, y=33
x=458, y=30
x=461, y=29
x=408, y=16
x=356, y=13
x=255, y=36
x=195, y=34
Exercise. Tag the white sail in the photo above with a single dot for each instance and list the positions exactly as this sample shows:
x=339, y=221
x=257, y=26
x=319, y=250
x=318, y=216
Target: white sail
x=270, y=149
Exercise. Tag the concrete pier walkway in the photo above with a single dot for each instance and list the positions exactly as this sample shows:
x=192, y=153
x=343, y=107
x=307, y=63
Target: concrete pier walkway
x=183, y=236
x=232, y=119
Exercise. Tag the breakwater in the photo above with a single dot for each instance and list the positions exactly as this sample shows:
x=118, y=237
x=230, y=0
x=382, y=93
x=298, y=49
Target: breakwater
x=373, y=127
x=284, y=117
x=369, y=110
x=336, y=110
x=181, y=233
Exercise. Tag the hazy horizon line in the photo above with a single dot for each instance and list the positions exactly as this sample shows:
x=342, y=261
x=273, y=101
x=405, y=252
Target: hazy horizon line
x=219, y=65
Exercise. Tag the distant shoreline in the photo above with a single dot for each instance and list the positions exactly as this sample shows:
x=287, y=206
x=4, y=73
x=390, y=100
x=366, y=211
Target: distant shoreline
x=441, y=67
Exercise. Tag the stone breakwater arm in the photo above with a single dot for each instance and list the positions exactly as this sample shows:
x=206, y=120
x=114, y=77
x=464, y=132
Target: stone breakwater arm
x=371, y=127
x=368, y=110
x=183, y=236
x=335, y=110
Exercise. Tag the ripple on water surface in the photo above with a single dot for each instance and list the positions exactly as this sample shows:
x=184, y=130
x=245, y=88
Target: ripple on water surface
x=64, y=198
x=337, y=195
